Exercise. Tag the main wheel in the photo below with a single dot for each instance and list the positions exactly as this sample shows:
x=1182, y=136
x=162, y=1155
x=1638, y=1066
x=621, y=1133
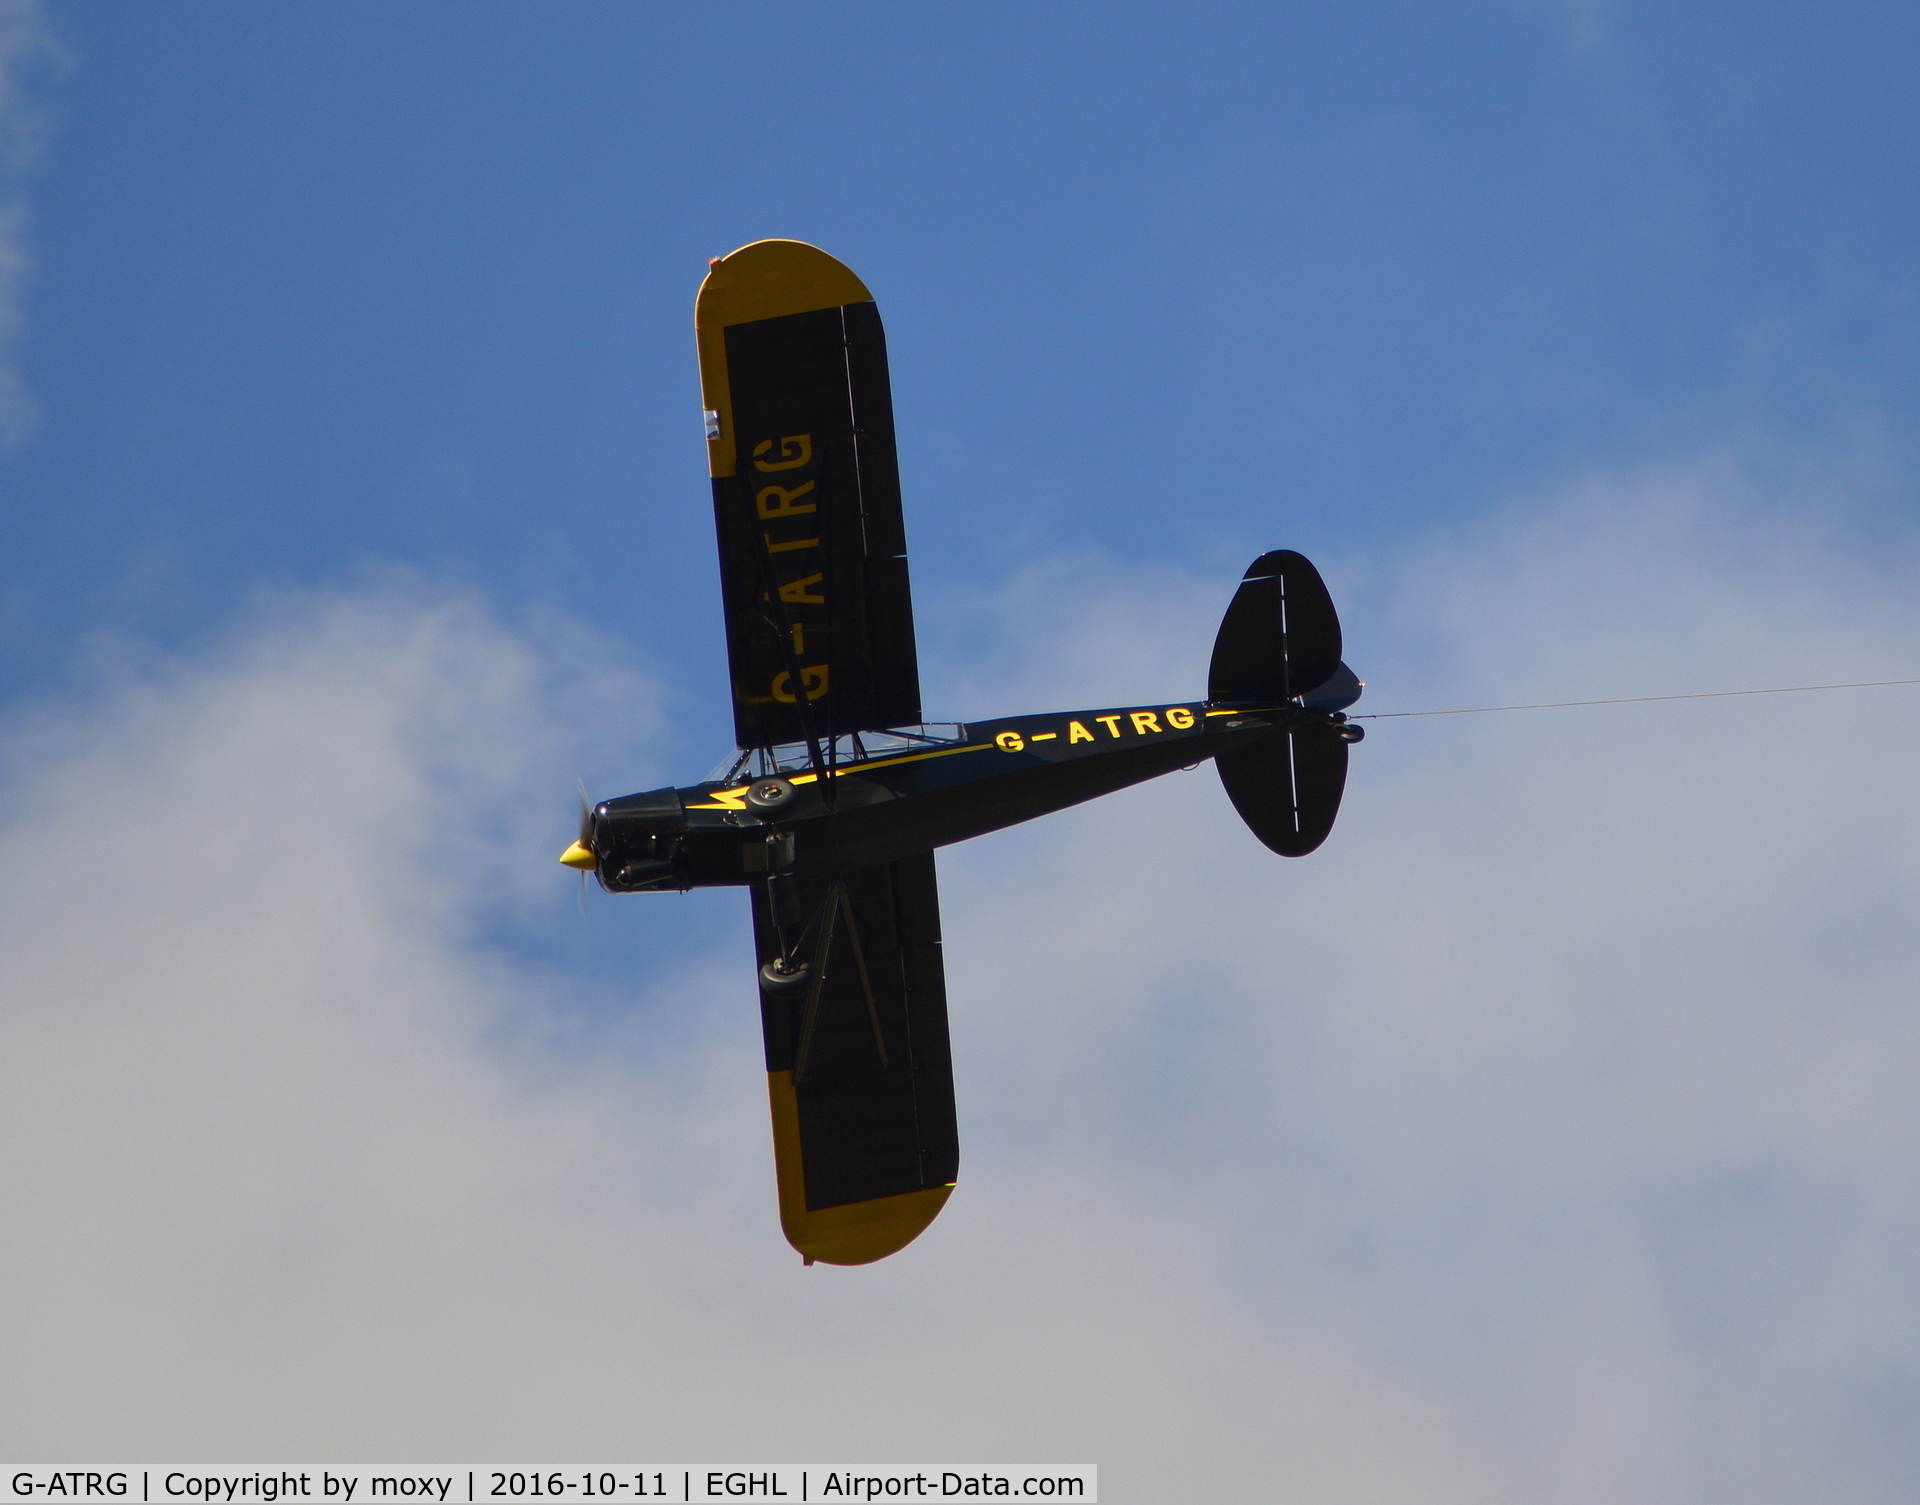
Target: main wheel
x=770, y=794
x=777, y=977
x=1352, y=733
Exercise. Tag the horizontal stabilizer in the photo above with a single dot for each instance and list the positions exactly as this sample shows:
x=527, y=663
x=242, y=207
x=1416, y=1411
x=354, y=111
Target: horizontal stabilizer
x=1287, y=789
x=1336, y=694
x=1280, y=637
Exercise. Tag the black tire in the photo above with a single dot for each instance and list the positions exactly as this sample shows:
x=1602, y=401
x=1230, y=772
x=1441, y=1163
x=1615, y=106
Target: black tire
x=770, y=794
x=776, y=981
x=1352, y=733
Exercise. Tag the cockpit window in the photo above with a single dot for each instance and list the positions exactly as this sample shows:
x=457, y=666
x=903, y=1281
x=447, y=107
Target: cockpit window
x=731, y=768
x=855, y=747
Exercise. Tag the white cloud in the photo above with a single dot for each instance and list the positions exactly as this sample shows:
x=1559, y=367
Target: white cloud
x=1576, y=1059
x=277, y=1186
x=1548, y=1136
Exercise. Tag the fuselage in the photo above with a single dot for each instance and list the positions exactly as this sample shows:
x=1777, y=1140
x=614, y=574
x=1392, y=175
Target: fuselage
x=916, y=795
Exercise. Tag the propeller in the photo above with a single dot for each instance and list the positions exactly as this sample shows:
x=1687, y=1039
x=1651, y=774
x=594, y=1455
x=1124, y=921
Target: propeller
x=581, y=854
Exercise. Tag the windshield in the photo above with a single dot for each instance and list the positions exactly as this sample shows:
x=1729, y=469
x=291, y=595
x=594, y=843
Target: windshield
x=855, y=747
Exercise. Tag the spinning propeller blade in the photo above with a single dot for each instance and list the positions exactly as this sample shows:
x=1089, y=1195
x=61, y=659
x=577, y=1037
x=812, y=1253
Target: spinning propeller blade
x=581, y=854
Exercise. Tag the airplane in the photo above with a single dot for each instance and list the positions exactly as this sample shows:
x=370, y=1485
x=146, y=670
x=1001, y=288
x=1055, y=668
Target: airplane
x=831, y=807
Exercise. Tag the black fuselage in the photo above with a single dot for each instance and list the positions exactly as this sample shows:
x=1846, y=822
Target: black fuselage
x=854, y=814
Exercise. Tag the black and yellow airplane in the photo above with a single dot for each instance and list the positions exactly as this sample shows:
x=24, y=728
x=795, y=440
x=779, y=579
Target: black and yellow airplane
x=830, y=811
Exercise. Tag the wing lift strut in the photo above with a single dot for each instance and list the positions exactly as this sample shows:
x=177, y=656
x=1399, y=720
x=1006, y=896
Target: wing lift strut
x=836, y=906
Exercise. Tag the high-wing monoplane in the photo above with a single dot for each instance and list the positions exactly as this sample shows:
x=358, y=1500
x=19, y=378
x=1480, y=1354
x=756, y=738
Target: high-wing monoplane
x=830, y=809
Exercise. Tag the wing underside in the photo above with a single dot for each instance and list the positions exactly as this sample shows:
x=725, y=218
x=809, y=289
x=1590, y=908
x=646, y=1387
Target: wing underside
x=859, y=1069
x=819, y=620
x=806, y=495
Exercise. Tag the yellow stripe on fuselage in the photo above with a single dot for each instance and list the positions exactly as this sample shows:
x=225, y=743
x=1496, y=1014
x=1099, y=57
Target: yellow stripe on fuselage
x=734, y=799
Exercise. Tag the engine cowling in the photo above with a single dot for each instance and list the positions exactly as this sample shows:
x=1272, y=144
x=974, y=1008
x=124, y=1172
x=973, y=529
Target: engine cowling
x=639, y=840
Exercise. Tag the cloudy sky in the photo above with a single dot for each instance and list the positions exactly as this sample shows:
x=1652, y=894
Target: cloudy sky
x=1550, y=1136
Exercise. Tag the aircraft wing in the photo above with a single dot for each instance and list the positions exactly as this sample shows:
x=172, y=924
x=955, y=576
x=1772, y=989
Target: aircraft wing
x=859, y=1071
x=806, y=497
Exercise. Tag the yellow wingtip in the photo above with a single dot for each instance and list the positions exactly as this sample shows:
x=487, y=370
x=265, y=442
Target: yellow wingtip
x=763, y=280
x=856, y=1233
x=581, y=857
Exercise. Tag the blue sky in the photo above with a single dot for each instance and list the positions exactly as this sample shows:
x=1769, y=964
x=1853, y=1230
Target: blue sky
x=314, y=288
x=1546, y=1137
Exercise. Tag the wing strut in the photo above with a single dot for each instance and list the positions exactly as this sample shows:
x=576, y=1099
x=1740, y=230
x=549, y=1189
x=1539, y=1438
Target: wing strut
x=836, y=901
